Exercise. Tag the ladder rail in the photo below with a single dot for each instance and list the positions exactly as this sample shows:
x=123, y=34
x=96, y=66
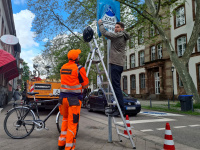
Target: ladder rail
x=90, y=61
x=111, y=87
x=113, y=92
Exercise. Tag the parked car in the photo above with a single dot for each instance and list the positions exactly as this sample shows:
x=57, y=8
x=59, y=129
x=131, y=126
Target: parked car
x=96, y=100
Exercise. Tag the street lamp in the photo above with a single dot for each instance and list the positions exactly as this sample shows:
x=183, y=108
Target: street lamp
x=172, y=69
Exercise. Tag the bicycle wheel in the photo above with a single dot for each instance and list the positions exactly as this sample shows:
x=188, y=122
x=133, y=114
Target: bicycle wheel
x=59, y=118
x=18, y=123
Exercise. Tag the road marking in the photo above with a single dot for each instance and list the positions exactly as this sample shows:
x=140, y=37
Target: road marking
x=160, y=128
x=146, y=130
x=149, y=120
x=156, y=113
x=195, y=125
x=179, y=126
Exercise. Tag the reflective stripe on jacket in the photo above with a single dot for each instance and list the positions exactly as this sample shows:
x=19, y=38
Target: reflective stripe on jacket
x=73, y=78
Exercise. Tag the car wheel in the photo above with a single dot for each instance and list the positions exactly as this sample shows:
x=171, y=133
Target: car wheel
x=88, y=106
x=105, y=111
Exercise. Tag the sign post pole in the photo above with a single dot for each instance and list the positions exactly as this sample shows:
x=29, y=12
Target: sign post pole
x=109, y=12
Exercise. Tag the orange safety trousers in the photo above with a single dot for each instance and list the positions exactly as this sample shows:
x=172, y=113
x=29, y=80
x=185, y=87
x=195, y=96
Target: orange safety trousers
x=69, y=128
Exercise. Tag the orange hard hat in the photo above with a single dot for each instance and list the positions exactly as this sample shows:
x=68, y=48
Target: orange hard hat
x=73, y=54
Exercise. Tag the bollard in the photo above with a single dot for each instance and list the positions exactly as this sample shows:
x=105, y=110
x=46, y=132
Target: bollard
x=150, y=103
x=168, y=104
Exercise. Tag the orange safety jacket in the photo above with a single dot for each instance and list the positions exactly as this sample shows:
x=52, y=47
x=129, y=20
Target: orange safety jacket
x=73, y=78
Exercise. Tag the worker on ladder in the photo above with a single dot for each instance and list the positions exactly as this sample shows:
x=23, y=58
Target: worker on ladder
x=73, y=80
x=117, y=56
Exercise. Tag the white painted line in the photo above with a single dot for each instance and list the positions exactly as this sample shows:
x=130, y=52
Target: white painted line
x=179, y=126
x=146, y=130
x=160, y=128
x=157, y=113
x=152, y=120
x=149, y=120
x=195, y=125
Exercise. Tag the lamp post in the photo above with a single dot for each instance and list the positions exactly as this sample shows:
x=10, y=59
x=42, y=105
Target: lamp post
x=172, y=69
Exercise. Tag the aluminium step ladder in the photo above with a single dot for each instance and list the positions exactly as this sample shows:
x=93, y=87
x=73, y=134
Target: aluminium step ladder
x=92, y=59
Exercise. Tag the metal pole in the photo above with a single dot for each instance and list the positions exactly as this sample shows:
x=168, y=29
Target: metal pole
x=168, y=104
x=173, y=84
x=150, y=103
x=109, y=73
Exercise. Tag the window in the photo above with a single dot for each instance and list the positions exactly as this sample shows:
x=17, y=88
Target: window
x=132, y=61
x=153, y=53
x=132, y=42
x=142, y=81
x=180, y=82
x=133, y=82
x=199, y=72
x=181, y=45
x=141, y=36
x=125, y=82
x=125, y=64
x=194, y=7
x=159, y=51
x=100, y=93
x=198, y=44
x=2, y=26
x=141, y=58
x=152, y=30
x=180, y=16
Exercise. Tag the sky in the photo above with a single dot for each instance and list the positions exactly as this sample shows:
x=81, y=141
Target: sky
x=23, y=19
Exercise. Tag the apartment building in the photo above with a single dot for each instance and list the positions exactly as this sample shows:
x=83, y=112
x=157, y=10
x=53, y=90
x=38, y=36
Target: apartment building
x=9, y=56
x=148, y=71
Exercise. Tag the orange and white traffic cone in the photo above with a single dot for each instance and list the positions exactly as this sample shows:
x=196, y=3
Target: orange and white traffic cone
x=169, y=143
x=128, y=125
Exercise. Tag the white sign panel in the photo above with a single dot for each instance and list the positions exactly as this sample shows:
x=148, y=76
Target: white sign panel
x=109, y=19
x=9, y=39
x=56, y=91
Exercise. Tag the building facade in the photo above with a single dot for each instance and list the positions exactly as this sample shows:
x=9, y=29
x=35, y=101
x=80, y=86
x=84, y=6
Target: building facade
x=148, y=71
x=9, y=71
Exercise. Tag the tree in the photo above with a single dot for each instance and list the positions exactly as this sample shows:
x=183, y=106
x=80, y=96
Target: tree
x=25, y=74
x=153, y=17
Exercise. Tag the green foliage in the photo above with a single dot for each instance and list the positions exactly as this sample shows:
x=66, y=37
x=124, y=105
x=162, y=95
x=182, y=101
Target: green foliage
x=25, y=74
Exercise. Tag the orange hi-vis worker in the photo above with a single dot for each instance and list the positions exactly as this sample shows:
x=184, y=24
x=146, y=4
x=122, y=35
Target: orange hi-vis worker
x=73, y=80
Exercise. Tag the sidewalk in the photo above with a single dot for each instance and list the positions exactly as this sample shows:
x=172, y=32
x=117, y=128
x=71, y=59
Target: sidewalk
x=92, y=135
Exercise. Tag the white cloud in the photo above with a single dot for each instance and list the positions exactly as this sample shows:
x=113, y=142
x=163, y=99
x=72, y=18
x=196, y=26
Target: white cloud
x=27, y=56
x=18, y=2
x=23, y=23
x=45, y=39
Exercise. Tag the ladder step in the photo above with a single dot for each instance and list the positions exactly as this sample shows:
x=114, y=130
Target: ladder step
x=94, y=61
x=126, y=136
x=119, y=124
x=114, y=104
x=105, y=82
x=101, y=72
x=108, y=93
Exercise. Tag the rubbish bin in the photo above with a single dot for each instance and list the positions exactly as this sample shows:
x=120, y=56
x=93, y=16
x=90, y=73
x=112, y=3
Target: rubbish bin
x=186, y=102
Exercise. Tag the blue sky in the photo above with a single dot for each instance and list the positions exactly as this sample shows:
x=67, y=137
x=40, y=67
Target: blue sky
x=23, y=19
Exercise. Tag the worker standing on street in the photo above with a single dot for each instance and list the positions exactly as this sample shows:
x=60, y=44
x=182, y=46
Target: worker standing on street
x=117, y=56
x=73, y=80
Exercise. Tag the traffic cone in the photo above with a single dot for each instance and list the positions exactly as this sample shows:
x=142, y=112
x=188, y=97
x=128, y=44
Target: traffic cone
x=169, y=143
x=128, y=125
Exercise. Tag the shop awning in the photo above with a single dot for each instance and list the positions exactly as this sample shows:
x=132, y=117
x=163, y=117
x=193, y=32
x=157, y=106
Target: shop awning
x=8, y=65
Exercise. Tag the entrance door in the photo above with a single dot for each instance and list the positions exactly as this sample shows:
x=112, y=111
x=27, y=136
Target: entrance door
x=157, y=83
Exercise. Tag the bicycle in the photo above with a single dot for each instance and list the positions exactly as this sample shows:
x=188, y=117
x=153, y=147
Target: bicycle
x=26, y=120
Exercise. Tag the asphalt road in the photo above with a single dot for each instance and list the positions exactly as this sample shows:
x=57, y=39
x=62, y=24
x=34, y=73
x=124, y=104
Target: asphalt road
x=185, y=128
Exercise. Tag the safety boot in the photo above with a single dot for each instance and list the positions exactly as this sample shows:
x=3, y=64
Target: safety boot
x=61, y=147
